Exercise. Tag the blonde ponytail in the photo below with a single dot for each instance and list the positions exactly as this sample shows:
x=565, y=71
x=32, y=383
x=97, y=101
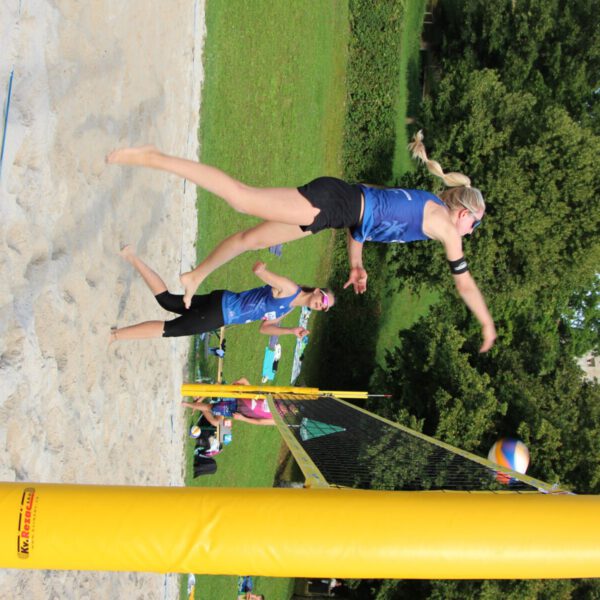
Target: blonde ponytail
x=418, y=151
x=462, y=195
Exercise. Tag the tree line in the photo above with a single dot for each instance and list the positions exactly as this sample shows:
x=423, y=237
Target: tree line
x=514, y=103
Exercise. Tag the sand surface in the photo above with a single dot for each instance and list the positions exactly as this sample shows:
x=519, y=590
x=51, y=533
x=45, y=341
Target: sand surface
x=90, y=76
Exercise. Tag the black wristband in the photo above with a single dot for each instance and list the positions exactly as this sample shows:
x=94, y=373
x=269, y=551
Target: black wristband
x=458, y=266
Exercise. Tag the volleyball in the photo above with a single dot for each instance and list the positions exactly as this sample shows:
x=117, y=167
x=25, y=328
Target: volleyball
x=195, y=431
x=509, y=453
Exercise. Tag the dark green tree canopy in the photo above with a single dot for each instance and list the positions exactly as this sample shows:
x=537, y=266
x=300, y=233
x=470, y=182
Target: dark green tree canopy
x=551, y=47
x=514, y=104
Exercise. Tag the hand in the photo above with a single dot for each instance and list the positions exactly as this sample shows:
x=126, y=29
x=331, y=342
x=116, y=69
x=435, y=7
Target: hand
x=489, y=337
x=238, y=416
x=358, y=279
x=193, y=404
x=259, y=267
x=299, y=332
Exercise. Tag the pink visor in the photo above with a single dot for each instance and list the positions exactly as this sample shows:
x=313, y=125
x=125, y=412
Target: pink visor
x=325, y=301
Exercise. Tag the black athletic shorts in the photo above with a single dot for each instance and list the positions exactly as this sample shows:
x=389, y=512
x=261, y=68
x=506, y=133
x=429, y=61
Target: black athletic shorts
x=205, y=313
x=338, y=201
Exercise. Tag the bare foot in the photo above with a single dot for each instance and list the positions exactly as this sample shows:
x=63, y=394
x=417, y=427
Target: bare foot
x=127, y=252
x=140, y=156
x=190, y=283
x=113, y=335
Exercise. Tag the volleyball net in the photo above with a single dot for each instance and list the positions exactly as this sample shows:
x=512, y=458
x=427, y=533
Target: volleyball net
x=339, y=444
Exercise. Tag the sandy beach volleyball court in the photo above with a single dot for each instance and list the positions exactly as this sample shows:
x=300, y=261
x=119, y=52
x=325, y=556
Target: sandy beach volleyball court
x=88, y=77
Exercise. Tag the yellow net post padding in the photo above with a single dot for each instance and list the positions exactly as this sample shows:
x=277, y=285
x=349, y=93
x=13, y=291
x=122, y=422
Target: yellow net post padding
x=300, y=532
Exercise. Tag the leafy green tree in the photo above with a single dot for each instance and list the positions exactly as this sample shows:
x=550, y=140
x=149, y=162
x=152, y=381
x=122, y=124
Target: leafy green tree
x=538, y=176
x=443, y=387
x=373, y=72
x=435, y=383
x=548, y=47
x=515, y=104
x=580, y=322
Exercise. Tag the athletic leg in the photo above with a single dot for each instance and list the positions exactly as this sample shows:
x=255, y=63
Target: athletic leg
x=152, y=279
x=141, y=331
x=284, y=205
x=262, y=236
x=206, y=314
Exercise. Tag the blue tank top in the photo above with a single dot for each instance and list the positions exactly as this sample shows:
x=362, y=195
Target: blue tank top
x=393, y=215
x=224, y=407
x=257, y=304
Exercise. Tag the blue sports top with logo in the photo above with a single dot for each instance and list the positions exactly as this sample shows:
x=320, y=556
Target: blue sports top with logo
x=257, y=304
x=393, y=215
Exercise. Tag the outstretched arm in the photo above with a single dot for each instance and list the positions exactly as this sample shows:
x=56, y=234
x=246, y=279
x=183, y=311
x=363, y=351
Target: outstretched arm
x=467, y=288
x=358, y=275
x=473, y=298
x=282, y=285
x=272, y=328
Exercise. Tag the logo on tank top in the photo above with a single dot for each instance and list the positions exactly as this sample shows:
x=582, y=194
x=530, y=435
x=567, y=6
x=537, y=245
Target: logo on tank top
x=270, y=316
x=388, y=231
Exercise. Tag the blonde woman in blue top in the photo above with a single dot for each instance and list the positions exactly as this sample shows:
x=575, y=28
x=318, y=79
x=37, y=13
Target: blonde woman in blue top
x=369, y=214
x=268, y=304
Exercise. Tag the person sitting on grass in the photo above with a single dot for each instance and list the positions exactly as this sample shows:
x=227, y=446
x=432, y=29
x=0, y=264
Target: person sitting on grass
x=268, y=304
x=248, y=410
x=369, y=214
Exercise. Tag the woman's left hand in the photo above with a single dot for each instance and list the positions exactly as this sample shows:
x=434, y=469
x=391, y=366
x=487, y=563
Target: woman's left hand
x=489, y=337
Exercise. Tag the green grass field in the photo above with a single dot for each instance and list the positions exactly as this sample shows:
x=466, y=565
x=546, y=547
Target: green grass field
x=399, y=310
x=272, y=115
x=408, y=91
x=273, y=111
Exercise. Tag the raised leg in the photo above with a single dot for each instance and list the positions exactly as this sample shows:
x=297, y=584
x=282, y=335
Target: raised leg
x=152, y=279
x=284, y=205
x=262, y=236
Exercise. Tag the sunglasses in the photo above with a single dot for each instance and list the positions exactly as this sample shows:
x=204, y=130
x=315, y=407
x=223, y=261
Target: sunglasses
x=325, y=301
x=476, y=221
